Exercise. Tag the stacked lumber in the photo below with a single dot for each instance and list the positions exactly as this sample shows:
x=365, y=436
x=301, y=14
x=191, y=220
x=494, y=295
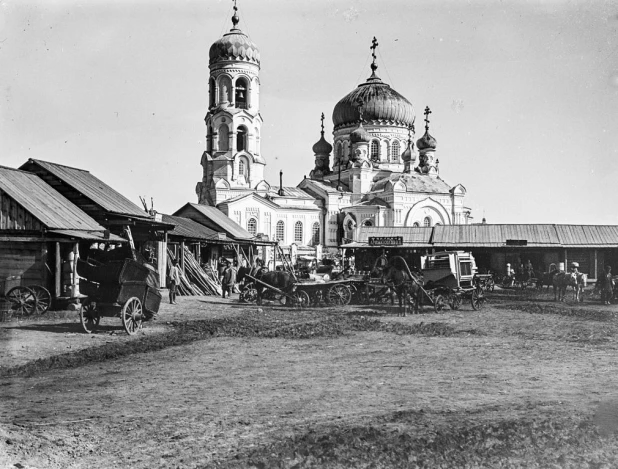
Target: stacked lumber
x=195, y=280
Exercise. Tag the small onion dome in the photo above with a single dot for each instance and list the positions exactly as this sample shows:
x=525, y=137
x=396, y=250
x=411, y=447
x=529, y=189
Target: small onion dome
x=234, y=45
x=322, y=147
x=407, y=154
x=381, y=105
x=426, y=142
x=360, y=135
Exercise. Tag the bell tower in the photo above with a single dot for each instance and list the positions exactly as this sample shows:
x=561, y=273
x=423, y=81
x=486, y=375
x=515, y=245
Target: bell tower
x=232, y=162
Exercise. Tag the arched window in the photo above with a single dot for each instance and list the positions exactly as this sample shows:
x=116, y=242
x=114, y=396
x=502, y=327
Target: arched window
x=252, y=226
x=395, y=151
x=367, y=222
x=209, y=140
x=375, y=150
x=315, y=233
x=280, y=231
x=241, y=138
x=225, y=89
x=212, y=91
x=224, y=138
x=416, y=224
x=243, y=169
x=298, y=232
x=338, y=153
x=240, y=98
x=427, y=221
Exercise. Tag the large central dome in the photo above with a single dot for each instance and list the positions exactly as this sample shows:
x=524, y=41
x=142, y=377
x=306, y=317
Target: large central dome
x=381, y=105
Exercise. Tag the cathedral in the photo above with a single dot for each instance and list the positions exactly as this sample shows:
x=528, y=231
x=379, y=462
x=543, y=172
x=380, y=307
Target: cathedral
x=378, y=176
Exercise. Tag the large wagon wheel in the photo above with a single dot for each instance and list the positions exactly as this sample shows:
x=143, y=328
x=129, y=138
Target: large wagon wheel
x=339, y=295
x=132, y=315
x=43, y=298
x=89, y=316
x=22, y=300
x=477, y=299
x=439, y=303
x=454, y=301
x=248, y=295
x=301, y=299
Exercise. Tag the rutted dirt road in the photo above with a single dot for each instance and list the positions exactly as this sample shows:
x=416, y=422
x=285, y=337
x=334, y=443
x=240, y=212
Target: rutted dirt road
x=241, y=400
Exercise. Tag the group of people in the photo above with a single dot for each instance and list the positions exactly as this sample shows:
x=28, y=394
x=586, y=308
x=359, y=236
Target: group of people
x=233, y=278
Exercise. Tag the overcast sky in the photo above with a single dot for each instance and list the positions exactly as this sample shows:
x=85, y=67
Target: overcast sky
x=524, y=94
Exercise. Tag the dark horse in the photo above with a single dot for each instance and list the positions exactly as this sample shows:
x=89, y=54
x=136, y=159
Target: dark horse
x=279, y=279
x=403, y=285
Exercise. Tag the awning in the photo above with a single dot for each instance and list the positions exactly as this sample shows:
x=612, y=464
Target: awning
x=90, y=235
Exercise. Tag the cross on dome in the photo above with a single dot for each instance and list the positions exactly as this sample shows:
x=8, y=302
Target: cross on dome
x=427, y=112
x=235, y=18
x=374, y=45
x=322, y=119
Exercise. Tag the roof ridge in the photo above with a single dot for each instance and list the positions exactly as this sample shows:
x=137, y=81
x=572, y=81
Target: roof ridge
x=58, y=164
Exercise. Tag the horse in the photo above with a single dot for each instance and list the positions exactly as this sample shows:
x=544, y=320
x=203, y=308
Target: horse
x=563, y=280
x=281, y=280
x=546, y=279
x=403, y=285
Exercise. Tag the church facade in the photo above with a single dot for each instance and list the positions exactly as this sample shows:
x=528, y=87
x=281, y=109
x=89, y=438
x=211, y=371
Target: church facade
x=378, y=176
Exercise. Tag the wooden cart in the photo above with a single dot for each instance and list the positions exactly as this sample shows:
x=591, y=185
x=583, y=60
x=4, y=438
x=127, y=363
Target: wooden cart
x=123, y=289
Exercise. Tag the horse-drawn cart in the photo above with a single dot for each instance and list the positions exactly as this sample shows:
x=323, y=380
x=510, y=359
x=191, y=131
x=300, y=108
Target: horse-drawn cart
x=124, y=289
x=450, y=278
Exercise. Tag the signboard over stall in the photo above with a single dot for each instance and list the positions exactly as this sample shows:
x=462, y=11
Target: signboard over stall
x=385, y=240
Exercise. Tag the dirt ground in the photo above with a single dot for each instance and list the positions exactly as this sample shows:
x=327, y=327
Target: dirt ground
x=351, y=400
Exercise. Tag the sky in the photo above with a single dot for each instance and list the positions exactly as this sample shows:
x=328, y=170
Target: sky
x=524, y=93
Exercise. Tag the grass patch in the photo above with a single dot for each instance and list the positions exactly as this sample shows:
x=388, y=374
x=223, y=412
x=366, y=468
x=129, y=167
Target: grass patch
x=251, y=324
x=589, y=313
x=557, y=441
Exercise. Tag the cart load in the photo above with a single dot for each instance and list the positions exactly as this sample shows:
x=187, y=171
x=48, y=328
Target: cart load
x=125, y=288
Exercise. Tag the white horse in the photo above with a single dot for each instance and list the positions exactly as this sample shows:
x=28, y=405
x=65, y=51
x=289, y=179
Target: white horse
x=563, y=280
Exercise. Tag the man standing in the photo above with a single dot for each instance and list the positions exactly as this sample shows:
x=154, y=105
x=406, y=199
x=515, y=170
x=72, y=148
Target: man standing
x=228, y=280
x=174, y=281
x=606, y=283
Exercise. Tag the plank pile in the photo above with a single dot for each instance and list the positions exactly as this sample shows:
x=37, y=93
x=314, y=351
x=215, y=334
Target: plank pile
x=195, y=280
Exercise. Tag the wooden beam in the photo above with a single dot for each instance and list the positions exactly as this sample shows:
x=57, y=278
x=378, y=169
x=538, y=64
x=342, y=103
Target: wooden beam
x=57, y=271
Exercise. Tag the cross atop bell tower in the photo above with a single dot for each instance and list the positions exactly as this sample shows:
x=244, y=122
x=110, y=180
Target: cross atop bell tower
x=427, y=112
x=374, y=66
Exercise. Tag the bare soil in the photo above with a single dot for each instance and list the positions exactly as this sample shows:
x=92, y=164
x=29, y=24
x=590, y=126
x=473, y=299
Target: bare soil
x=524, y=382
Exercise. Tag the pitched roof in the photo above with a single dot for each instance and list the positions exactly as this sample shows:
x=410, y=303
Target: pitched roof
x=88, y=185
x=412, y=236
x=414, y=182
x=187, y=228
x=495, y=235
x=214, y=219
x=44, y=203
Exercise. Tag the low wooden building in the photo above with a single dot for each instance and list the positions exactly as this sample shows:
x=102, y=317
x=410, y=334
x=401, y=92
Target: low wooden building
x=493, y=246
x=41, y=231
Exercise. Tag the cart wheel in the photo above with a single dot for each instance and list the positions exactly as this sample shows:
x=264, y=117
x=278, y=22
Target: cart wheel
x=43, y=298
x=89, y=317
x=439, y=303
x=131, y=315
x=301, y=299
x=454, y=301
x=477, y=299
x=22, y=301
x=248, y=295
x=339, y=295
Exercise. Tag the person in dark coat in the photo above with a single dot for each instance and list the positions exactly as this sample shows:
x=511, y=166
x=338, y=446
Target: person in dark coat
x=228, y=280
x=606, y=283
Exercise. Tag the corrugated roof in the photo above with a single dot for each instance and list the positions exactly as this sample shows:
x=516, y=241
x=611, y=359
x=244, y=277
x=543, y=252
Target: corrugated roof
x=294, y=192
x=219, y=219
x=587, y=235
x=494, y=235
x=43, y=202
x=91, y=187
x=412, y=236
x=187, y=228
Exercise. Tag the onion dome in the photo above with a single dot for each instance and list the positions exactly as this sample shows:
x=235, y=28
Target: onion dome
x=322, y=147
x=360, y=135
x=426, y=142
x=234, y=45
x=407, y=154
x=382, y=105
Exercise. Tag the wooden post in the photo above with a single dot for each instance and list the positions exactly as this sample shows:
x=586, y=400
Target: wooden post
x=74, y=273
x=566, y=262
x=181, y=255
x=596, y=265
x=57, y=271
